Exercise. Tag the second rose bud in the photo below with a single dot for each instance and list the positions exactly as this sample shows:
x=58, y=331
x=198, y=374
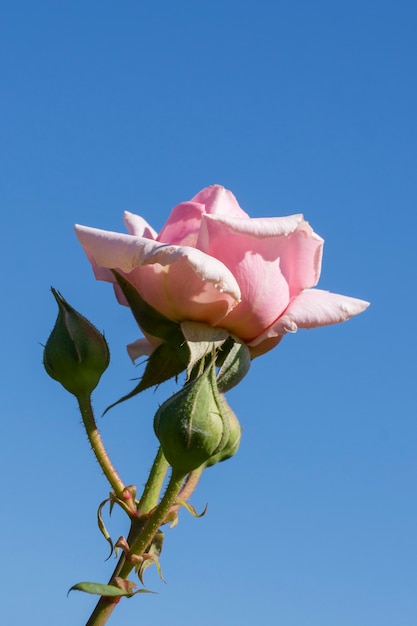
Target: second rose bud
x=196, y=426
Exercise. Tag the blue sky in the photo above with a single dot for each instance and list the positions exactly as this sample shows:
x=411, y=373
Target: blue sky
x=295, y=107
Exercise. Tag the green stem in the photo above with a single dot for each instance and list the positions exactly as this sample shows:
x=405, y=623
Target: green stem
x=139, y=541
x=150, y=496
x=102, y=612
x=191, y=483
x=98, y=448
x=151, y=526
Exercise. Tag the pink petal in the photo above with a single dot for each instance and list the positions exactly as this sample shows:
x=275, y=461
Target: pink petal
x=136, y=225
x=179, y=281
x=256, y=349
x=106, y=249
x=183, y=224
x=140, y=347
x=313, y=308
x=252, y=249
x=219, y=201
x=301, y=255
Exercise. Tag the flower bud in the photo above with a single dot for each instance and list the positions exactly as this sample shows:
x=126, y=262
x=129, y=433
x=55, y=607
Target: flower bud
x=235, y=432
x=76, y=353
x=190, y=426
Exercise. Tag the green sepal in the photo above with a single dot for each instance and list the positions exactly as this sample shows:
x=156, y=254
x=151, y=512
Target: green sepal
x=235, y=432
x=233, y=366
x=148, y=318
x=109, y=591
x=165, y=362
x=202, y=340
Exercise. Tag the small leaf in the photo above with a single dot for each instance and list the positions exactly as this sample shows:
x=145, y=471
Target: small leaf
x=192, y=509
x=112, y=502
x=100, y=590
x=102, y=526
x=158, y=567
x=173, y=518
x=151, y=557
x=109, y=591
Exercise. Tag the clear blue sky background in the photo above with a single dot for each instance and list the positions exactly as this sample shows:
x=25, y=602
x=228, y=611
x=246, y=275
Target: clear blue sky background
x=297, y=107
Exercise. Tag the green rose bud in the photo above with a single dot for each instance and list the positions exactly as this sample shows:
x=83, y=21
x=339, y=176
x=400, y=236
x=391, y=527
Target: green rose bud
x=76, y=353
x=190, y=426
x=235, y=433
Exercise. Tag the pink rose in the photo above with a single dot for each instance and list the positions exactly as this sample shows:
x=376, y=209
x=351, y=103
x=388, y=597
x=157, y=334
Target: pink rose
x=212, y=263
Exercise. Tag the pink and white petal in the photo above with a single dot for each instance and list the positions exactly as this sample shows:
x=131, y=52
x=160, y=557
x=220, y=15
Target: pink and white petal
x=251, y=249
x=301, y=255
x=253, y=228
x=120, y=297
x=265, y=295
x=137, y=226
x=257, y=349
x=111, y=250
x=140, y=347
x=313, y=308
x=179, y=281
x=292, y=238
x=185, y=284
x=219, y=201
x=83, y=236
x=183, y=224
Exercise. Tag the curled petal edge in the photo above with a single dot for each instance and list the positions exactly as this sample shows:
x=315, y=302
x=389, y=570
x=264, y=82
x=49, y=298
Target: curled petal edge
x=205, y=266
x=313, y=308
x=138, y=226
x=110, y=250
x=263, y=227
x=218, y=200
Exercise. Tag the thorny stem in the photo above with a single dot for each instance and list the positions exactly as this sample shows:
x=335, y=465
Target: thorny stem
x=99, y=450
x=189, y=486
x=150, y=496
x=142, y=530
x=151, y=526
x=139, y=539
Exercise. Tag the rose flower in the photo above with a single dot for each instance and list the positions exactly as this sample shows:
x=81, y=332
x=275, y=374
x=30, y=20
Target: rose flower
x=214, y=264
